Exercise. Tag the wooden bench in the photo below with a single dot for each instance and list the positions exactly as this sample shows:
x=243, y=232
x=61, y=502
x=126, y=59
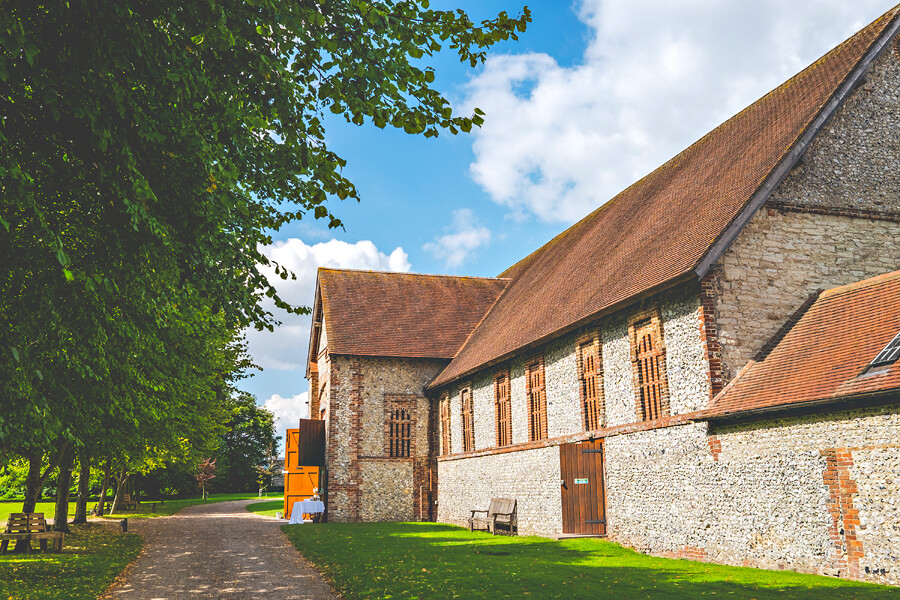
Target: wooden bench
x=500, y=517
x=28, y=527
x=127, y=503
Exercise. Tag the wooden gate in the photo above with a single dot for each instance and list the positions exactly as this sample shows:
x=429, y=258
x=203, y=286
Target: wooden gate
x=583, y=492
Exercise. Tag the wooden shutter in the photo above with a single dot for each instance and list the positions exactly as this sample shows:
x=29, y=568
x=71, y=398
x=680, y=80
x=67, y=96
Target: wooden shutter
x=467, y=420
x=649, y=363
x=445, y=424
x=537, y=400
x=503, y=409
x=590, y=383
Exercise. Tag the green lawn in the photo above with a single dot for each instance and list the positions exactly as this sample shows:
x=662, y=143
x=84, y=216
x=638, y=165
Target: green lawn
x=92, y=558
x=162, y=510
x=173, y=506
x=433, y=561
x=267, y=508
x=48, y=508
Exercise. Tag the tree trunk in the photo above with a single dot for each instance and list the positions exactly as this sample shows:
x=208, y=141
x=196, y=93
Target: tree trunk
x=121, y=481
x=107, y=471
x=63, y=484
x=32, y=482
x=84, y=488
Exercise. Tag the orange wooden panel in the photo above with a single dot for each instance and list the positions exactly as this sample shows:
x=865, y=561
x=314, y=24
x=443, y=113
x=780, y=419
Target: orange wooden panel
x=299, y=484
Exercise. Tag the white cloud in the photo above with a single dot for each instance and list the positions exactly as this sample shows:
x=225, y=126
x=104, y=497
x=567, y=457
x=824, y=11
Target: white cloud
x=465, y=236
x=287, y=411
x=286, y=347
x=655, y=76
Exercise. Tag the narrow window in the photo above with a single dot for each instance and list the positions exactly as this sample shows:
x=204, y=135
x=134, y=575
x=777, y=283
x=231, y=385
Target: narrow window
x=400, y=426
x=503, y=409
x=589, y=383
x=468, y=428
x=445, y=424
x=537, y=400
x=649, y=361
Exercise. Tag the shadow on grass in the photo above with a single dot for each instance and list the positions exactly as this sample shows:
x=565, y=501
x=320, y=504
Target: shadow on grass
x=429, y=560
x=92, y=557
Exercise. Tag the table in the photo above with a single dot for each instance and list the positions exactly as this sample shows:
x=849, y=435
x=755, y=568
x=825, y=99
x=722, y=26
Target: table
x=306, y=507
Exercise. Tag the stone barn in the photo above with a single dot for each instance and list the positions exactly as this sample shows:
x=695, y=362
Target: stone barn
x=701, y=368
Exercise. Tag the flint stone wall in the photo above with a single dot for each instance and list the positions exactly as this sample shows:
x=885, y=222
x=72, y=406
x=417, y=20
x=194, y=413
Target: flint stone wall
x=362, y=483
x=530, y=476
x=851, y=169
x=689, y=388
x=854, y=162
x=766, y=501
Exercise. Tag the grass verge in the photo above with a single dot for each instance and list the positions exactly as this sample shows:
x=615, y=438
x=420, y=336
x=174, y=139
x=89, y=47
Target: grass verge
x=267, y=508
x=434, y=561
x=173, y=506
x=93, y=556
x=162, y=510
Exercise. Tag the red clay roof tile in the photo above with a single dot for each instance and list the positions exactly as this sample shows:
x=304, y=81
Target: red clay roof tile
x=824, y=355
x=658, y=230
x=371, y=313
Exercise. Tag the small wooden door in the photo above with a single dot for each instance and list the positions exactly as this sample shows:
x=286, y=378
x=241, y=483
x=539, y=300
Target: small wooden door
x=583, y=492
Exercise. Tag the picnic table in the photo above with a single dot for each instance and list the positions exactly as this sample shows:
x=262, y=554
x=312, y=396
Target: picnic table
x=30, y=527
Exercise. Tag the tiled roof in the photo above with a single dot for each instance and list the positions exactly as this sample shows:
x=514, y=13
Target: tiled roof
x=657, y=232
x=823, y=356
x=371, y=313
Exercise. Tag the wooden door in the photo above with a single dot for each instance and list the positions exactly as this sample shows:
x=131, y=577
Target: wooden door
x=583, y=492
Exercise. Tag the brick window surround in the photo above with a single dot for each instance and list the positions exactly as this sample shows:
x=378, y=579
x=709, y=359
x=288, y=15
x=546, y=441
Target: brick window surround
x=445, y=424
x=503, y=408
x=648, y=365
x=537, y=399
x=399, y=425
x=468, y=424
x=588, y=357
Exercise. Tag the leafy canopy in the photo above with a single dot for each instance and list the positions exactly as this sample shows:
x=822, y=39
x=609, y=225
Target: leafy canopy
x=148, y=148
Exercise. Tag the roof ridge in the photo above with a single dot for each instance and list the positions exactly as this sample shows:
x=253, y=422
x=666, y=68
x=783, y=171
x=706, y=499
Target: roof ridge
x=410, y=273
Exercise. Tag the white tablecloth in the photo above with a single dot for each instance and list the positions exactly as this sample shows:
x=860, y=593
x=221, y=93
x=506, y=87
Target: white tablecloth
x=305, y=507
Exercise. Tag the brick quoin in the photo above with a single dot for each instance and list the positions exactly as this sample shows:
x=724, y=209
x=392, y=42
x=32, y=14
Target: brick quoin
x=846, y=547
x=709, y=333
x=715, y=446
x=354, y=494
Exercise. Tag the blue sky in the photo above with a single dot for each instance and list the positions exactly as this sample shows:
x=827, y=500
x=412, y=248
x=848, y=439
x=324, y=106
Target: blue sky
x=595, y=94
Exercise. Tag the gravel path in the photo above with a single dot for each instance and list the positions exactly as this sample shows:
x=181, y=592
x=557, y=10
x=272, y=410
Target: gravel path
x=217, y=550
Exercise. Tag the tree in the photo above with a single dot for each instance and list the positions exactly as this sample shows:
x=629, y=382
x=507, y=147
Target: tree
x=247, y=443
x=148, y=148
x=206, y=472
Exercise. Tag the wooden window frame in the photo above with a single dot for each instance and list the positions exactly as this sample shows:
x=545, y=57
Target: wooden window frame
x=536, y=394
x=446, y=438
x=400, y=426
x=590, y=382
x=503, y=408
x=651, y=384
x=467, y=412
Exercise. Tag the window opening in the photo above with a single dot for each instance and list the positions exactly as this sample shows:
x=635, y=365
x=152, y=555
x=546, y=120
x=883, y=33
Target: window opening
x=503, y=407
x=400, y=423
x=589, y=375
x=467, y=418
x=537, y=400
x=445, y=424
